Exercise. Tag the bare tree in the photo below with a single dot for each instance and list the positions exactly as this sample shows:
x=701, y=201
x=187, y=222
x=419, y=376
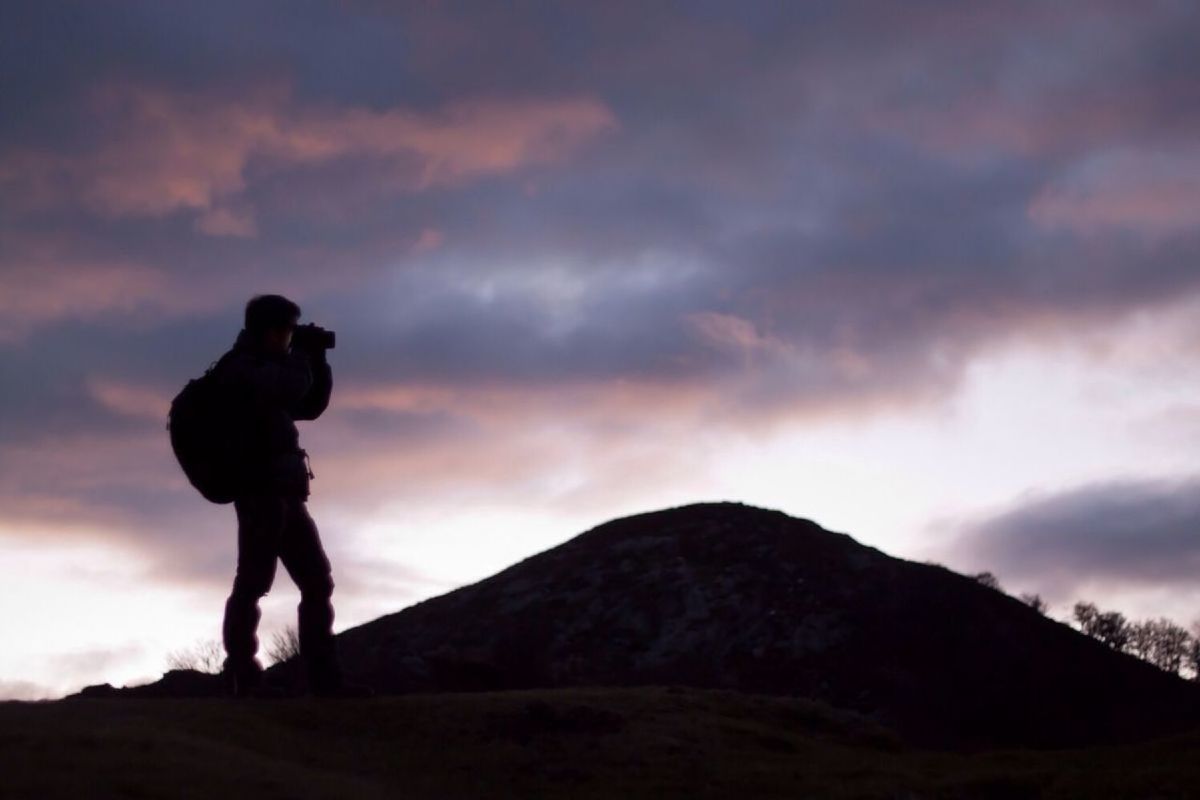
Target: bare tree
x=1035, y=602
x=989, y=580
x=1085, y=615
x=1109, y=627
x=1171, y=645
x=284, y=646
x=1193, y=655
x=207, y=655
x=1141, y=639
x=1113, y=629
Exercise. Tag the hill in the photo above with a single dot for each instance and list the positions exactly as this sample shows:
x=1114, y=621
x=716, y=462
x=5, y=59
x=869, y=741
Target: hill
x=650, y=742
x=731, y=596
x=734, y=597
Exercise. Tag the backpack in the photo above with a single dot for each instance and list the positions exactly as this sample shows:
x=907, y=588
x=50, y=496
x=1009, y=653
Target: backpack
x=205, y=436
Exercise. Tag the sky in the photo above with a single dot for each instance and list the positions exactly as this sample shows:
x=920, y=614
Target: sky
x=925, y=273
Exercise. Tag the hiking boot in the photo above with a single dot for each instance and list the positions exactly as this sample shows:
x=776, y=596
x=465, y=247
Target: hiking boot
x=245, y=680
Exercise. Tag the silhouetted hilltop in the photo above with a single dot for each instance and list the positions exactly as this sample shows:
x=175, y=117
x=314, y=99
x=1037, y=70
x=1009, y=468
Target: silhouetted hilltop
x=727, y=595
x=730, y=596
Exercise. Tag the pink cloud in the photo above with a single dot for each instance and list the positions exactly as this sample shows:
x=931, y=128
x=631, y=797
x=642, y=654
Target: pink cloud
x=429, y=239
x=43, y=289
x=515, y=442
x=499, y=404
x=733, y=331
x=41, y=475
x=579, y=443
x=993, y=122
x=160, y=151
x=224, y=221
x=48, y=276
x=1155, y=193
x=129, y=399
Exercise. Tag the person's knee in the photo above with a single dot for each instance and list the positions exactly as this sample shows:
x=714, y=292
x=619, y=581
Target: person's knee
x=249, y=589
x=319, y=588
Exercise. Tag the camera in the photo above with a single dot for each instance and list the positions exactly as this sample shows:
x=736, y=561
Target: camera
x=312, y=337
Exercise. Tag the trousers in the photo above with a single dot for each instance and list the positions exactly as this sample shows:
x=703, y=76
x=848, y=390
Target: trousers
x=273, y=528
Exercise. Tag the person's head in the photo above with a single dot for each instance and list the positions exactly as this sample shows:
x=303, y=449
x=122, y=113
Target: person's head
x=270, y=320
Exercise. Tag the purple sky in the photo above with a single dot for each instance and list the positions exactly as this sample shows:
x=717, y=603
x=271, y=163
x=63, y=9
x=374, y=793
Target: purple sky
x=926, y=273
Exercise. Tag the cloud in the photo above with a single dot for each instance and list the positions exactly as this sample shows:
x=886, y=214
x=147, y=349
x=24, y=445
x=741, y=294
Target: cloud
x=378, y=445
x=78, y=665
x=793, y=214
x=1042, y=83
x=38, y=290
x=159, y=150
x=1121, y=533
x=26, y=690
x=227, y=222
x=1156, y=193
x=132, y=401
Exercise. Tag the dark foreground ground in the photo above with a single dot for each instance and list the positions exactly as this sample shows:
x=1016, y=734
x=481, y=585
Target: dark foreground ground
x=573, y=743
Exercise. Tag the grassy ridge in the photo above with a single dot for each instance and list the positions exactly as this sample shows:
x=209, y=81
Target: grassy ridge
x=577, y=743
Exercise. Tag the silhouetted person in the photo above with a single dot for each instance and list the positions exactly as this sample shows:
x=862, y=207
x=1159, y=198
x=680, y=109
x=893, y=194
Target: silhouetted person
x=275, y=382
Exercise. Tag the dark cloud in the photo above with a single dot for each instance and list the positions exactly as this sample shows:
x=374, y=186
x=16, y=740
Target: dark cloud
x=1121, y=533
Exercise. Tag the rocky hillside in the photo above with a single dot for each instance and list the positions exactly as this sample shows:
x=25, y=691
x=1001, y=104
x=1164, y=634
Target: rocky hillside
x=726, y=595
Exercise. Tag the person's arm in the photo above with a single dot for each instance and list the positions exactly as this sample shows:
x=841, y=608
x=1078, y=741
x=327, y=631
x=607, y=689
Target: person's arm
x=274, y=382
x=314, y=402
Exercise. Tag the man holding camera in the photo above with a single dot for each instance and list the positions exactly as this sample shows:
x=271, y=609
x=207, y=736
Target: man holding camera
x=277, y=373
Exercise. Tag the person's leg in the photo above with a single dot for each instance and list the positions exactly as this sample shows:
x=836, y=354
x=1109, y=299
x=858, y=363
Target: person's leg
x=260, y=526
x=304, y=558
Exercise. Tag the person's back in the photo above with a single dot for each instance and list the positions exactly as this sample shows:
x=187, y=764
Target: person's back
x=274, y=383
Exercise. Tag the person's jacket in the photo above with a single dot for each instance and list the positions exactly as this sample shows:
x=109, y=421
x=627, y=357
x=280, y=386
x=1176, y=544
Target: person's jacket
x=270, y=392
